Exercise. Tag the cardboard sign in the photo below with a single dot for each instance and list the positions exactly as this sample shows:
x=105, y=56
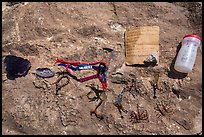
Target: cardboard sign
x=141, y=44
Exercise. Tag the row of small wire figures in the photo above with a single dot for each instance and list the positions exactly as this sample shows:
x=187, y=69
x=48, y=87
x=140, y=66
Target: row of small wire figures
x=140, y=115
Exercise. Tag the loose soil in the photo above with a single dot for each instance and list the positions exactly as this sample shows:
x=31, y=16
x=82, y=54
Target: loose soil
x=42, y=32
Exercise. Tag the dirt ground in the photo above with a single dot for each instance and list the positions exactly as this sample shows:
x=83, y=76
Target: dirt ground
x=42, y=32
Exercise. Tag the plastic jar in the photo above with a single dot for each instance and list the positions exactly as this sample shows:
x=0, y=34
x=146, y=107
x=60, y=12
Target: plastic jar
x=187, y=54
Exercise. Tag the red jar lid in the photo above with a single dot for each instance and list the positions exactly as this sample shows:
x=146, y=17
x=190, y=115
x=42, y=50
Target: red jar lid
x=192, y=35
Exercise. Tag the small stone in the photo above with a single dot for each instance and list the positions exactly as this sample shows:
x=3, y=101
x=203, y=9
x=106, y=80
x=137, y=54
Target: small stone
x=180, y=99
x=188, y=78
x=176, y=89
x=149, y=79
x=50, y=38
x=179, y=108
x=175, y=86
x=153, y=58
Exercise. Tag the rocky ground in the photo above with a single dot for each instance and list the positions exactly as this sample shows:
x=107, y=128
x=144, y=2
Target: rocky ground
x=42, y=32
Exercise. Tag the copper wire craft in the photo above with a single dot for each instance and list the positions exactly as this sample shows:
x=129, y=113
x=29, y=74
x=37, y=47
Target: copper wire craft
x=139, y=116
x=164, y=108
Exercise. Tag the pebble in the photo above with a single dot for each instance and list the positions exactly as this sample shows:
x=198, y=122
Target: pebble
x=188, y=78
x=179, y=108
x=180, y=99
x=149, y=79
x=175, y=86
x=25, y=3
x=109, y=125
x=64, y=132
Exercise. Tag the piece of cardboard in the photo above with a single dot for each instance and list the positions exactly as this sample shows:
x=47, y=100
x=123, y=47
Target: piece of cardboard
x=140, y=43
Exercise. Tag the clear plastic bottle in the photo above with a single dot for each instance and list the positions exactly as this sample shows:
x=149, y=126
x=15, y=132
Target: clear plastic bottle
x=187, y=54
